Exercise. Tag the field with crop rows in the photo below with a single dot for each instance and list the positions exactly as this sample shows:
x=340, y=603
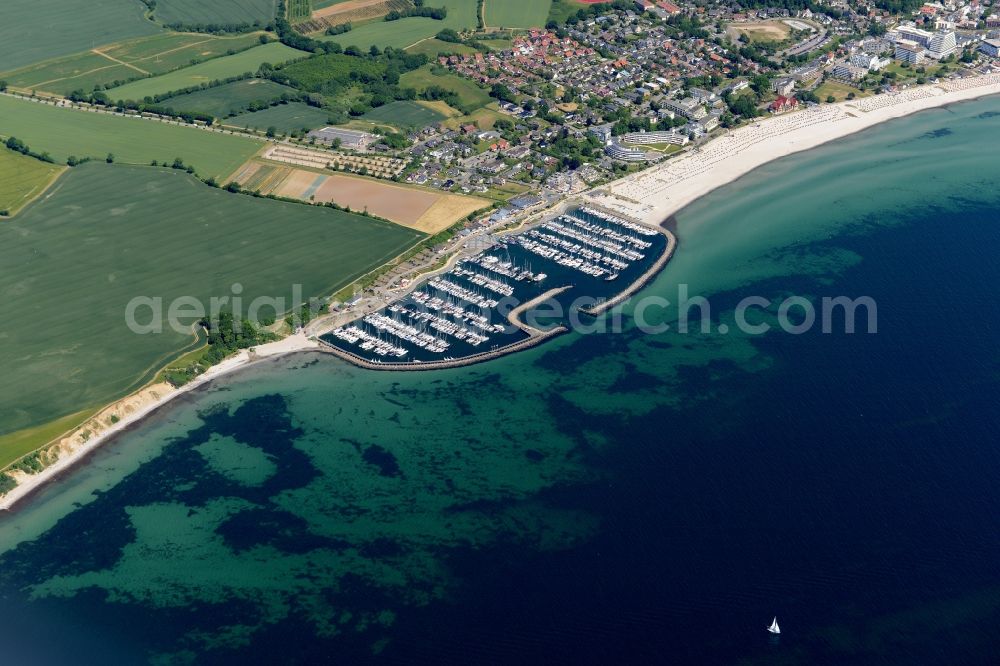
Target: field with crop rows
x=234, y=97
x=200, y=12
x=409, y=31
x=119, y=63
x=21, y=179
x=71, y=263
x=206, y=72
x=284, y=118
x=404, y=114
x=36, y=30
x=64, y=132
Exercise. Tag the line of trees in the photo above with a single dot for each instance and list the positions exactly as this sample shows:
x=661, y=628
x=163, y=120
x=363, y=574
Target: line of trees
x=18, y=146
x=436, y=13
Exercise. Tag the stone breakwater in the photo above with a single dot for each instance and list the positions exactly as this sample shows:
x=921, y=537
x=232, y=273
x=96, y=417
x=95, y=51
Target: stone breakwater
x=643, y=280
x=602, y=257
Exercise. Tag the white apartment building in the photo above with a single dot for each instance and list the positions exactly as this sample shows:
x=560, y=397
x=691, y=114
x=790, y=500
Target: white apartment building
x=909, y=51
x=914, y=34
x=942, y=44
x=849, y=72
x=869, y=62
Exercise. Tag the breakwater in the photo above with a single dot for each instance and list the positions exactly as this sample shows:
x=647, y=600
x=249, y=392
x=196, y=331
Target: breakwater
x=455, y=317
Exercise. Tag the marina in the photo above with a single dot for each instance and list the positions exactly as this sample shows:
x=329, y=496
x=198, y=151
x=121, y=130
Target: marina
x=473, y=310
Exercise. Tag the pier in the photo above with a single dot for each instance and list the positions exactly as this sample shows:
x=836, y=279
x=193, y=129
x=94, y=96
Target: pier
x=454, y=317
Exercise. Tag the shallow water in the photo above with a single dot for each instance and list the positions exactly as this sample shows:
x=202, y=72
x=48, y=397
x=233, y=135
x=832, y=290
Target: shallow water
x=621, y=496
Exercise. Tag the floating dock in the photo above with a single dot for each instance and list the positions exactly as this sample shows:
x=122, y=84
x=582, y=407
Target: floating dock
x=473, y=312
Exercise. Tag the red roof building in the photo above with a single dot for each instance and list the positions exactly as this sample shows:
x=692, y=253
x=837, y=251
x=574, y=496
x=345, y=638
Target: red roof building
x=783, y=104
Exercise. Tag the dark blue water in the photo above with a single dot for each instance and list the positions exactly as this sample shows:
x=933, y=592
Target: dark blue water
x=618, y=498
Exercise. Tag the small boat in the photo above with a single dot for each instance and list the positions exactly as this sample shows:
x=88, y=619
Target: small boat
x=774, y=628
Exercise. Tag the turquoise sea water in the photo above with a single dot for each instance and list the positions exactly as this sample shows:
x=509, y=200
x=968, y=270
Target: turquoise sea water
x=604, y=498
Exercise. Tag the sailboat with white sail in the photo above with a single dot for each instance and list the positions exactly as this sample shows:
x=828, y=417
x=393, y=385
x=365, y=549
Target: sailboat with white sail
x=774, y=628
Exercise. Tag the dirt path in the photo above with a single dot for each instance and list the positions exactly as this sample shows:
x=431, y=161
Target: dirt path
x=120, y=62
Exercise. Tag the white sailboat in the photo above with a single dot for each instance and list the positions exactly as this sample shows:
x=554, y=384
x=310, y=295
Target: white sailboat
x=774, y=628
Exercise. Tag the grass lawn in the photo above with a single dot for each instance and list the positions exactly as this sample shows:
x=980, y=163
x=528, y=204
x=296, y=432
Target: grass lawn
x=839, y=90
x=563, y=9
x=470, y=94
x=484, y=118
x=407, y=32
x=497, y=44
x=36, y=30
x=435, y=47
x=404, y=114
x=156, y=54
x=665, y=148
x=902, y=73
x=202, y=12
x=206, y=72
x=21, y=179
x=762, y=31
x=284, y=117
x=71, y=263
x=517, y=13
x=64, y=132
x=231, y=98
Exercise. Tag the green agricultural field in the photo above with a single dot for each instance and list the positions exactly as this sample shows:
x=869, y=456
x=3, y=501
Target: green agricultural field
x=284, y=118
x=563, y=9
x=435, y=47
x=470, y=94
x=321, y=4
x=22, y=178
x=64, y=132
x=407, y=32
x=517, y=13
x=213, y=70
x=230, y=98
x=404, y=114
x=156, y=54
x=219, y=12
x=36, y=30
x=71, y=263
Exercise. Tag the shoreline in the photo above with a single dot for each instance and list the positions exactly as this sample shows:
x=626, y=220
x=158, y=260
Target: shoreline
x=659, y=192
x=651, y=196
x=75, y=451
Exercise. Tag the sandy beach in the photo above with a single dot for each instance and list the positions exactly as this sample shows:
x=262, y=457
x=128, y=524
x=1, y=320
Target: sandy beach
x=650, y=196
x=133, y=409
x=653, y=195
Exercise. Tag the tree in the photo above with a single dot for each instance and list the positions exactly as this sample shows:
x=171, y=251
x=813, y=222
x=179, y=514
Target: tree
x=830, y=99
x=271, y=131
x=501, y=92
x=110, y=158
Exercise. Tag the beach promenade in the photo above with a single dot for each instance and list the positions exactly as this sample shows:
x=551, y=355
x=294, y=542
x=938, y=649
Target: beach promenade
x=657, y=193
